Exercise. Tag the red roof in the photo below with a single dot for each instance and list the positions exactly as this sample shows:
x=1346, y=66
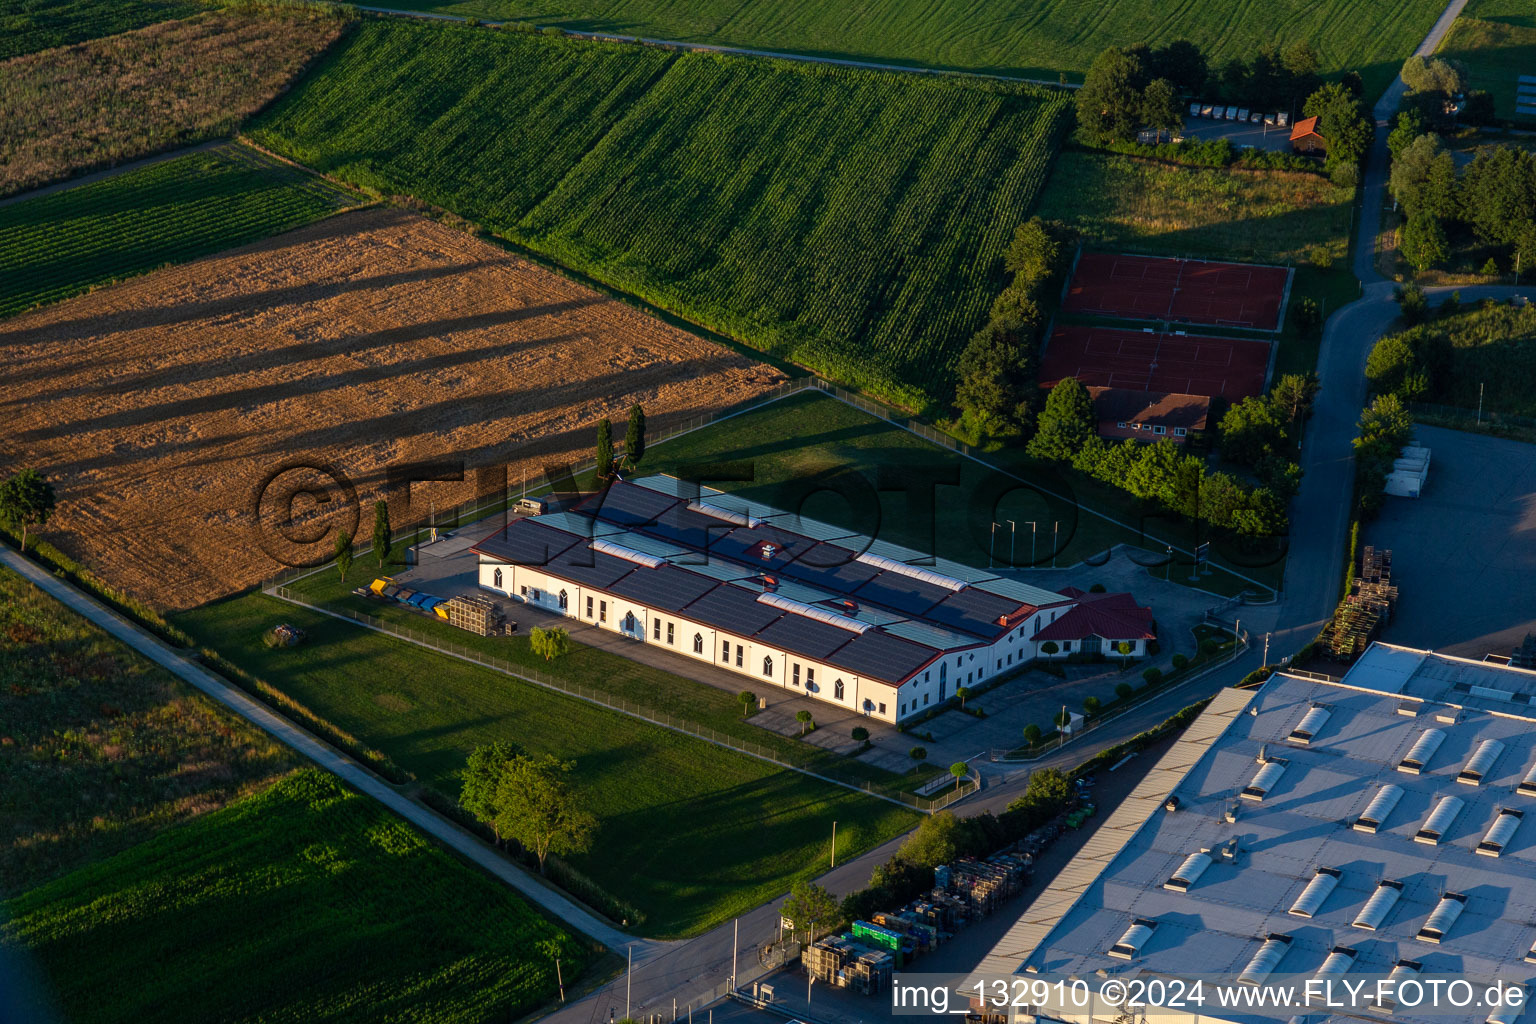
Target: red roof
x=1111, y=616
x=1306, y=126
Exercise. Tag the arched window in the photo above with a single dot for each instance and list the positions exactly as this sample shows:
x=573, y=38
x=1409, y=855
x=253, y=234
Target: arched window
x=629, y=622
x=565, y=600
x=698, y=643
x=496, y=578
x=837, y=690
x=943, y=671
x=768, y=667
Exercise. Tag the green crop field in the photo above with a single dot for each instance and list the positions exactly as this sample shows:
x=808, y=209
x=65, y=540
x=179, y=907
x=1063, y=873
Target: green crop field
x=690, y=834
x=68, y=242
x=28, y=25
x=1496, y=39
x=303, y=902
x=1032, y=38
x=150, y=840
x=848, y=220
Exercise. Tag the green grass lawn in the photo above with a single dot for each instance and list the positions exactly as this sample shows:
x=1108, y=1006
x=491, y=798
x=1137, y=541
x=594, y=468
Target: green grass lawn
x=691, y=834
x=1493, y=356
x=68, y=242
x=1128, y=204
x=814, y=453
x=151, y=840
x=1496, y=39
x=29, y=25
x=847, y=220
x=1021, y=37
x=305, y=901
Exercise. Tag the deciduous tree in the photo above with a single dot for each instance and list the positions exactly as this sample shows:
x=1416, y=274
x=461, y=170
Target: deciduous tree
x=1251, y=429
x=549, y=643
x=536, y=806
x=1109, y=102
x=810, y=909
x=344, y=553
x=480, y=779
x=26, y=501
x=1065, y=424
x=381, y=531
x=1423, y=242
x=634, y=437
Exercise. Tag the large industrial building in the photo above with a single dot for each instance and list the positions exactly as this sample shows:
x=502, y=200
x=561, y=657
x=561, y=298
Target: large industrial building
x=1365, y=827
x=792, y=602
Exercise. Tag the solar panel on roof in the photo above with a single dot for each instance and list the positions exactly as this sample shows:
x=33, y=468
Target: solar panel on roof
x=1024, y=593
x=881, y=656
x=672, y=486
x=814, y=528
x=933, y=636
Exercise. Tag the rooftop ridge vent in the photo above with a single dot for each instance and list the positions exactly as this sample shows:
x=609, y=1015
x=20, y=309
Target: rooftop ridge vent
x=1134, y=939
x=1339, y=960
x=1480, y=763
x=1379, y=905
x=1500, y=832
x=1324, y=881
x=1439, y=821
x=1265, y=960
x=1189, y=872
x=1528, y=784
x=608, y=547
x=725, y=514
x=1379, y=808
x=1310, y=724
x=1423, y=749
x=810, y=611
x=938, y=579
x=1264, y=779
x=1442, y=917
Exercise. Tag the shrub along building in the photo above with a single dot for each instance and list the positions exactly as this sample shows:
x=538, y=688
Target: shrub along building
x=1148, y=415
x=791, y=602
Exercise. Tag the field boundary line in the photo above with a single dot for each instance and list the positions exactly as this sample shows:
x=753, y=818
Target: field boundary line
x=93, y=177
x=739, y=51
x=282, y=593
x=351, y=771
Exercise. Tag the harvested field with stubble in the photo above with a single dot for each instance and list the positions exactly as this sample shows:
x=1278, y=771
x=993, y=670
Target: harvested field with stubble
x=107, y=101
x=162, y=407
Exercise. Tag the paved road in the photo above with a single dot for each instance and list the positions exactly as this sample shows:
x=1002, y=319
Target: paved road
x=337, y=763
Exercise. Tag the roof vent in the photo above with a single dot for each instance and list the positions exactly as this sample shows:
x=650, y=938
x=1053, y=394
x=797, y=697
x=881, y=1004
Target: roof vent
x=1379, y=905
x=1403, y=970
x=1528, y=784
x=1171, y=804
x=1232, y=811
x=1381, y=805
x=767, y=551
x=1264, y=779
x=1189, y=872
x=608, y=547
x=1481, y=762
x=1324, y=881
x=1263, y=753
x=1439, y=821
x=1310, y=724
x=1339, y=960
x=1265, y=960
x=1448, y=716
x=1408, y=709
x=1500, y=832
x=1423, y=749
x=903, y=569
x=1229, y=851
x=1442, y=917
x=1134, y=939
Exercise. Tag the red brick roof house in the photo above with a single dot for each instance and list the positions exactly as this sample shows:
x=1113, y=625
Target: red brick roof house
x=1148, y=415
x=1304, y=137
x=1098, y=623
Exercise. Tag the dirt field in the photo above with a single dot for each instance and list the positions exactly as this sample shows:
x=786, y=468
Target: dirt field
x=289, y=376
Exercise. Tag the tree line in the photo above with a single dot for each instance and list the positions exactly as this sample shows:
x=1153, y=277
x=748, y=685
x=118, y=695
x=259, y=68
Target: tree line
x=1492, y=199
x=1137, y=87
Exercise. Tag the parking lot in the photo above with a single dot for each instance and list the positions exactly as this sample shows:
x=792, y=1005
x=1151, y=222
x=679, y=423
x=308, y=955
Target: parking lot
x=1464, y=553
x=1258, y=136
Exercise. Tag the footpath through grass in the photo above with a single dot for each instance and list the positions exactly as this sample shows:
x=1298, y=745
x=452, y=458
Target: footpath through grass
x=150, y=840
x=68, y=242
x=1034, y=38
x=690, y=834
x=848, y=220
x=306, y=901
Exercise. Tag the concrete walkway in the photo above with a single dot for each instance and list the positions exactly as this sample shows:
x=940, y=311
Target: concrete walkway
x=339, y=764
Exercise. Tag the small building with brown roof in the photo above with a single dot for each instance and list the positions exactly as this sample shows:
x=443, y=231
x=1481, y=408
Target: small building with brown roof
x=1148, y=415
x=1304, y=137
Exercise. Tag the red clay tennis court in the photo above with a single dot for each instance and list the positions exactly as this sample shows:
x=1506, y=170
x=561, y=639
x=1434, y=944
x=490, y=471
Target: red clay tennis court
x=1187, y=291
x=1230, y=368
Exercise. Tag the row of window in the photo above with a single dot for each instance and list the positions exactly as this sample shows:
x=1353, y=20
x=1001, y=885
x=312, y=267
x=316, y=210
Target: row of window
x=1156, y=428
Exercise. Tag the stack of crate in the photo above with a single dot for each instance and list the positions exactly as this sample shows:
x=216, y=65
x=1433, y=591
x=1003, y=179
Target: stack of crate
x=477, y=614
x=825, y=959
x=871, y=973
x=1367, y=608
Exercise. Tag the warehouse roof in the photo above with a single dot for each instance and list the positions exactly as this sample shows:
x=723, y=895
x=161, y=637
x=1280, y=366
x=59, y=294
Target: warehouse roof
x=1329, y=751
